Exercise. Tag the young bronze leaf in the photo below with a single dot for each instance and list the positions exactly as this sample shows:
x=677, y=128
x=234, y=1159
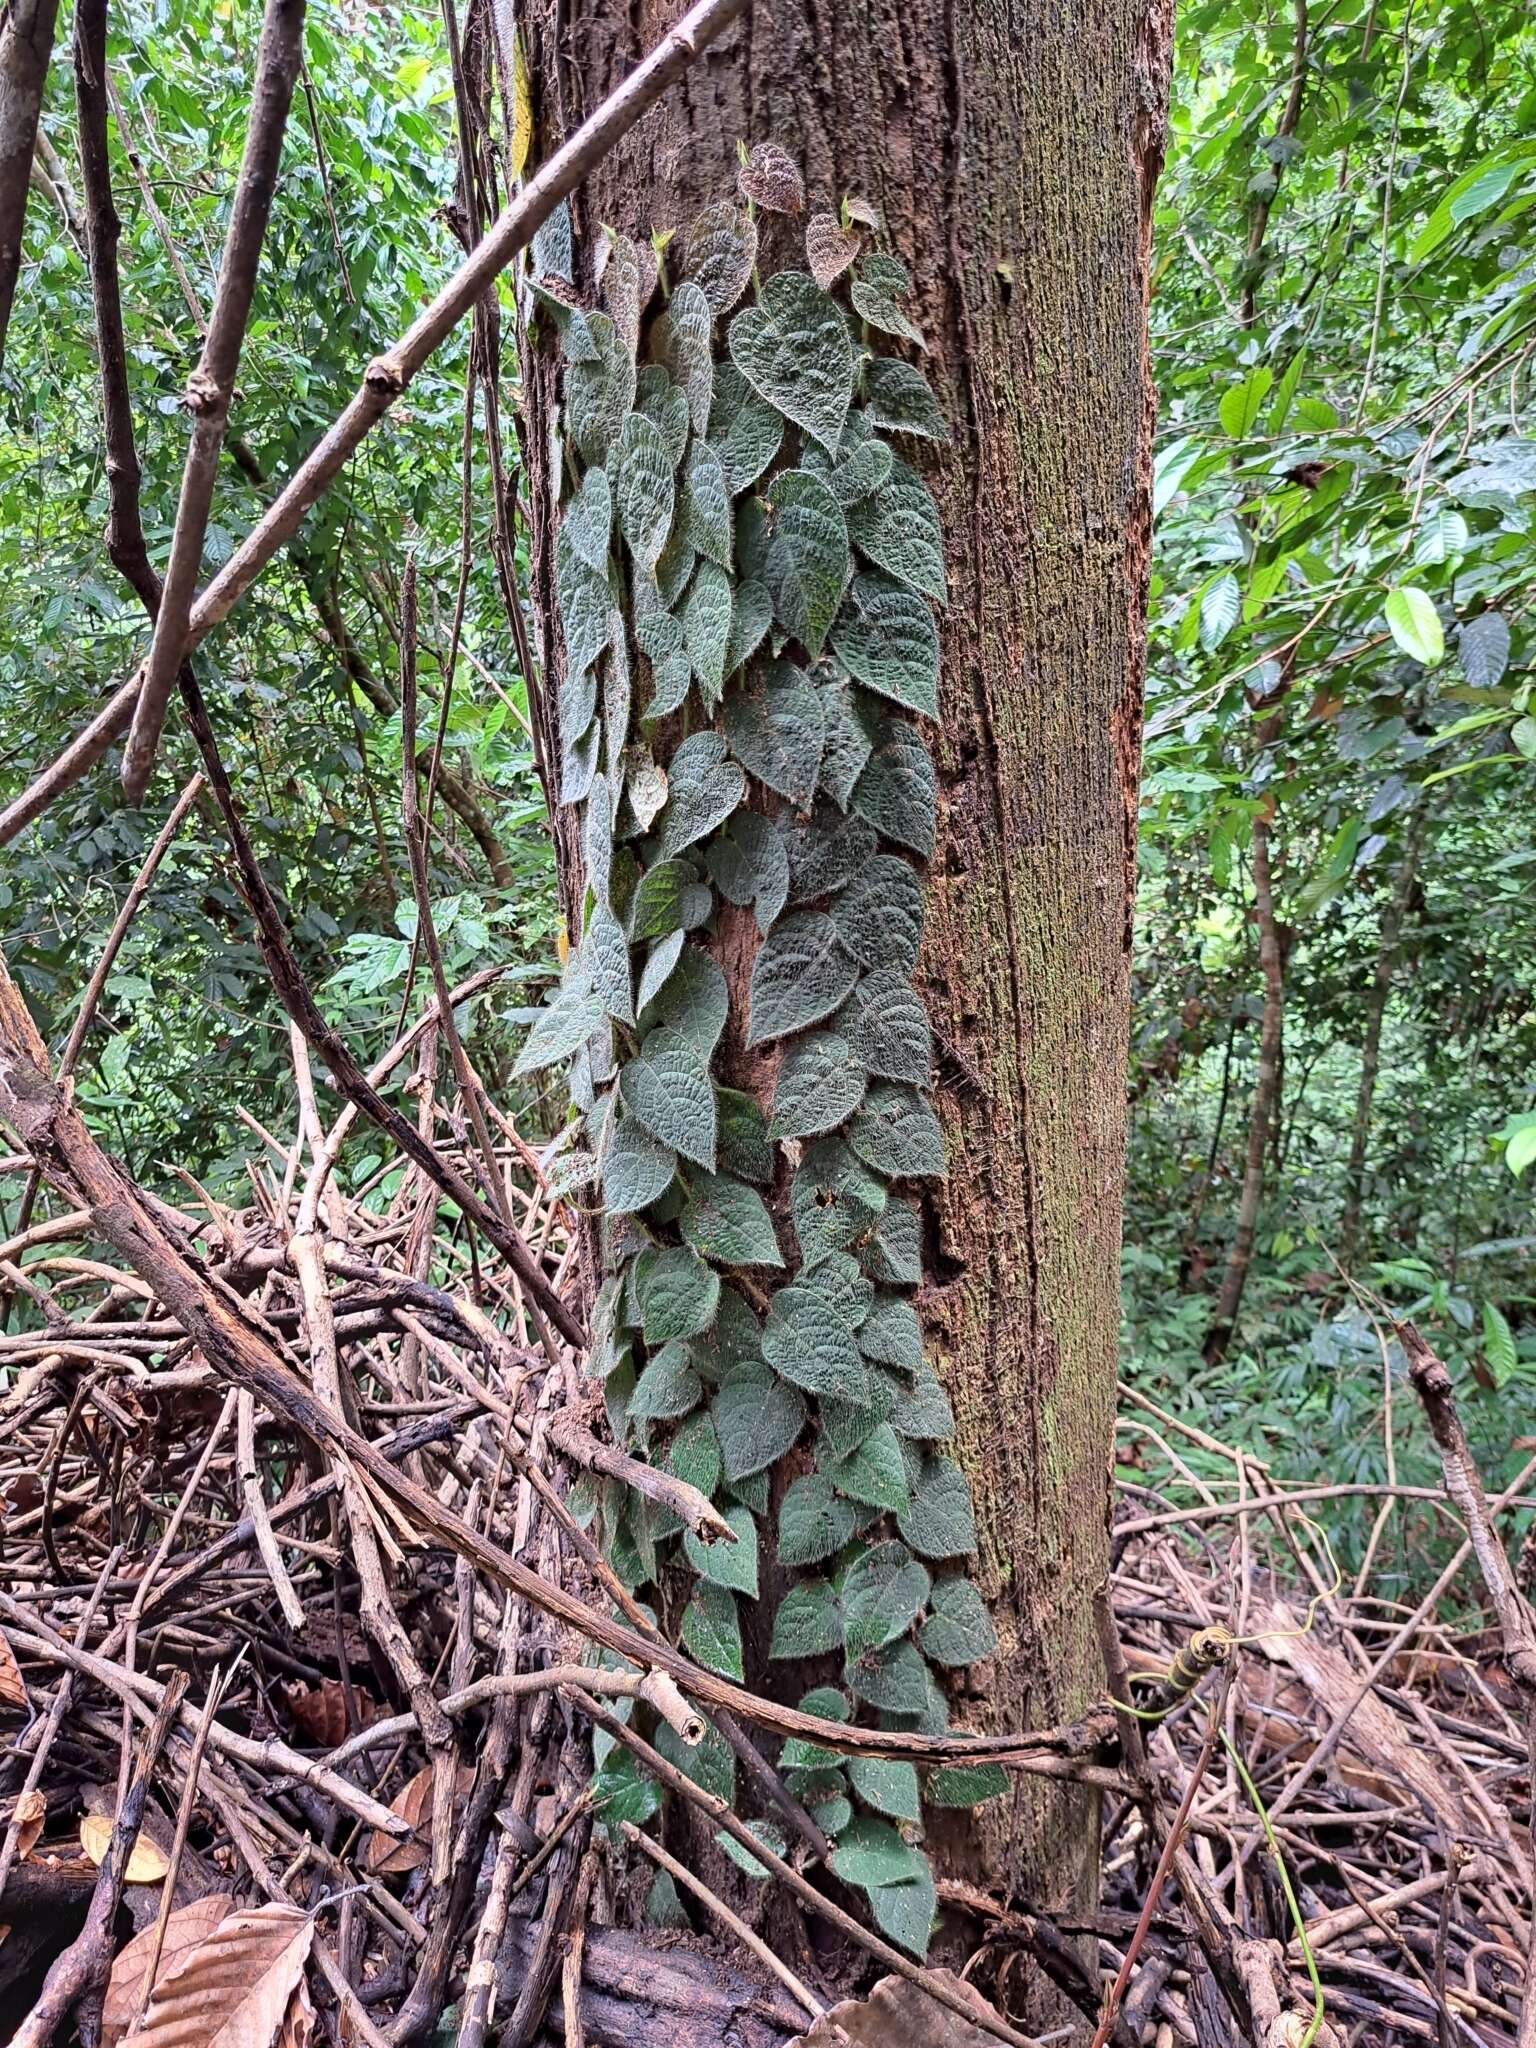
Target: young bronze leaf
x=234, y=1989
x=829, y=248
x=719, y=250
x=771, y=178
x=184, y=1930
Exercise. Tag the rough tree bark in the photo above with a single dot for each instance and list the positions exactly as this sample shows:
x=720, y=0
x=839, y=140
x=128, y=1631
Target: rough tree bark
x=1011, y=151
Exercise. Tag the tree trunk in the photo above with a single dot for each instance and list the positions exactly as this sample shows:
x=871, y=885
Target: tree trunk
x=1377, y=998
x=1010, y=152
x=1266, y=1093
x=26, y=44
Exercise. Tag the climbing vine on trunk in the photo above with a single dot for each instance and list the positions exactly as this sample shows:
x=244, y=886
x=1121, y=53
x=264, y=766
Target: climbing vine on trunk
x=746, y=573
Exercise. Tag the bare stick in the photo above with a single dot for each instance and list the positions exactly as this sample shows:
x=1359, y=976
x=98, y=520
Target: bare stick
x=26, y=43
x=211, y=386
x=387, y=377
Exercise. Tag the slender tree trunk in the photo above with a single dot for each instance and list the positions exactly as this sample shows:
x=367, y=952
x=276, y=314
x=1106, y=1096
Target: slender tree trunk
x=1010, y=152
x=26, y=44
x=1377, y=998
x=1266, y=1095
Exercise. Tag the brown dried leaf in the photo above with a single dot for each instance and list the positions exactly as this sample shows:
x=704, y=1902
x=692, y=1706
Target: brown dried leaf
x=829, y=249
x=386, y=1857
x=185, y=1928
x=321, y=1711
x=147, y=1864
x=29, y=1813
x=236, y=1988
x=897, y=2010
x=13, y=1687
x=771, y=177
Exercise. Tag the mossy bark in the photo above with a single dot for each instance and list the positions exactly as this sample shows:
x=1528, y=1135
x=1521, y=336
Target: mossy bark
x=1011, y=152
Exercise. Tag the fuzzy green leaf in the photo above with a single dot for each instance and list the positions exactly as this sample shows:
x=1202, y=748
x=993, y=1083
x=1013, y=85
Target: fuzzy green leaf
x=871, y=1854
x=692, y=1001
x=746, y=432
x=608, y=956
x=568, y=1022
x=966, y=1784
x=706, y=510
x=820, y=1084
x=898, y=398
x=660, y=963
x=667, y=1087
x=681, y=339
x=801, y=974
x=886, y=639
x=758, y=1418
x=895, y=1679
x=889, y=1787
x=896, y=1132
x=939, y=1521
x=879, y=916
x=905, y=1912
x=882, y=1593
x=678, y=1295
x=668, y=1387
x=924, y=1414
x=599, y=391
x=637, y=1168
x=744, y=1145
x=793, y=349
x=808, y=562
x=719, y=250
x=813, y=1523
x=898, y=530
x=808, y=1622
x=589, y=522
x=886, y=1028
x=666, y=406
x=959, y=1631
x=728, y=1222
x=891, y=1333
x=712, y=1632
x=898, y=791
x=644, y=488
x=893, y=1254
x=656, y=907
x=728, y=1564
x=694, y=1453
x=751, y=616
x=848, y=744
x=748, y=864
x=834, y=1199
x=808, y=1342
x=703, y=788
x=707, y=614
x=775, y=731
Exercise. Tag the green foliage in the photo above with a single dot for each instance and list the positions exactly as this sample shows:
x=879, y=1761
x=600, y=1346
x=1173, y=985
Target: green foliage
x=716, y=486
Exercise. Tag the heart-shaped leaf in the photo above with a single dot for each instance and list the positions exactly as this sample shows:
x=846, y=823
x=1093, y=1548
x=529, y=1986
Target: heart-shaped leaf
x=808, y=561
x=793, y=349
x=666, y=1086
x=800, y=975
x=775, y=731
x=886, y=639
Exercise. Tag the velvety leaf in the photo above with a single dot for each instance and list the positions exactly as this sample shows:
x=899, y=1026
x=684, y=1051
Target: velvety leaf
x=894, y=1679
x=694, y=1453
x=667, y=1087
x=898, y=790
x=966, y=1784
x=677, y=1294
x=748, y=864
x=820, y=1085
x=837, y=1279
x=578, y=764
x=876, y=305
x=644, y=488
x=744, y=1145
x=637, y=1168
x=883, y=1592
x=827, y=1704
x=905, y=1913
x=691, y=1001
x=858, y=474
x=589, y=522
x=656, y=907
x=744, y=429
x=939, y=1521
x=706, y=615
x=608, y=954
x=893, y=1254
x=628, y=279
x=682, y=341
x=813, y=1524
x=706, y=509
x=667, y=1388
x=727, y=1221
x=886, y=639
x=665, y=404
x=568, y=1021
x=898, y=530
x=889, y=1787
x=719, y=250
x=886, y=1028
x=891, y=1333
x=703, y=788
x=825, y=852
x=959, y=1630
x=733, y=1565
x=751, y=616
x=834, y=1199
x=758, y=1419
x=793, y=349
x=872, y=1853
x=600, y=391
x=807, y=1342
x=879, y=916
x=800, y=975
x=898, y=398
x=775, y=730
x=578, y=701
x=896, y=1132
x=807, y=1622
x=712, y=1632
x=660, y=963
x=808, y=561
x=924, y=1414
x=587, y=615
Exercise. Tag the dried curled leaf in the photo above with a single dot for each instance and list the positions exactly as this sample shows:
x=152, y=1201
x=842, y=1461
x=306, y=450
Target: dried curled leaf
x=184, y=1930
x=147, y=1864
x=29, y=1814
x=240, y=1987
x=13, y=1687
x=771, y=178
x=386, y=1857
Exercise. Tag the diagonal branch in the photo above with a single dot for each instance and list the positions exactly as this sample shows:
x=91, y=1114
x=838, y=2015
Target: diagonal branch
x=387, y=377
x=211, y=386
